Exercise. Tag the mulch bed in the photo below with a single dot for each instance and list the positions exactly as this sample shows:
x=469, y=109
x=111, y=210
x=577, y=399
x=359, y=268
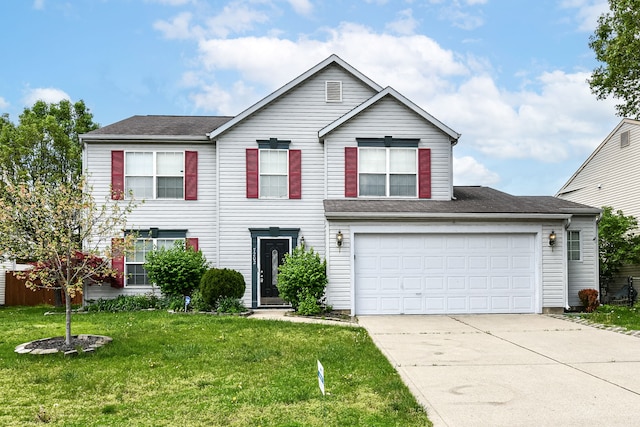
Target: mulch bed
x=85, y=343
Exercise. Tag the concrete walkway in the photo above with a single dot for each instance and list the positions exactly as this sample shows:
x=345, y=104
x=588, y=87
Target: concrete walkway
x=513, y=370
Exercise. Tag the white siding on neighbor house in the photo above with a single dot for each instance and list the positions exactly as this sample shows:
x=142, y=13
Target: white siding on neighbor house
x=196, y=216
x=4, y=267
x=296, y=116
x=550, y=264
x=610, y=177
x=389, y=117
x=583, y=274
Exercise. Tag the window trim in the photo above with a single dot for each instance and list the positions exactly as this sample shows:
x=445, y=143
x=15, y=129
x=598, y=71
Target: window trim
x=388, y=173
x=570, y=243
x=286, y=174
x=155, y=175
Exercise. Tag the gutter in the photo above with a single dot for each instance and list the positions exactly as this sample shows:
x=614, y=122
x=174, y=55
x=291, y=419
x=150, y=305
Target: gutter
x=427, y=215
x=144, y=138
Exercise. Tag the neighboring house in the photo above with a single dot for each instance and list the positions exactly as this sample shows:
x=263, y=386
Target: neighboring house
x=611, y=177
x=360, y=173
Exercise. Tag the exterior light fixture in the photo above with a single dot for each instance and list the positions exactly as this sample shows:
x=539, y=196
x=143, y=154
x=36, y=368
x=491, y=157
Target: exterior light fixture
x=552, y=238
x=302, y=242
x=339, y=238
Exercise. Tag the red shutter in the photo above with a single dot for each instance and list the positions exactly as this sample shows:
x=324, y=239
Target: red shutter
x=424, y=173
x=295, y=174
x=252, y=173
x=351, y=172
x=117, y=175
x=191, y=175
x=117, y=262
x=192, y=242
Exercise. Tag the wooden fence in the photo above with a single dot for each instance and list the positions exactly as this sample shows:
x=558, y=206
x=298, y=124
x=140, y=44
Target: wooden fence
x=16, y=293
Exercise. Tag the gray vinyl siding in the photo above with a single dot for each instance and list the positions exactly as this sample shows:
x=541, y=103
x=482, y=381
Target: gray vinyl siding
x=610, y=177
x=583, y=273
x=196, y=216
x=388, y=117
x=554, y=266
x=296, y=116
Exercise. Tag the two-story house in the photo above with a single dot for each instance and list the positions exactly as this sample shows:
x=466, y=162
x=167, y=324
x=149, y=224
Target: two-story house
x=608, y=178
x=334, y=161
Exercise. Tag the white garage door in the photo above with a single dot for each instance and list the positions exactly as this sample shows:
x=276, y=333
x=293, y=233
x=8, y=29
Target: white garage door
x=444, y=273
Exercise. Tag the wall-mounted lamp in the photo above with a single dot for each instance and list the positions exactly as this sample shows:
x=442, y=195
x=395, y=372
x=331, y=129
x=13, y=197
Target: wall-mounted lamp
x=302, y=242
x=339, y=238
x=552, y=238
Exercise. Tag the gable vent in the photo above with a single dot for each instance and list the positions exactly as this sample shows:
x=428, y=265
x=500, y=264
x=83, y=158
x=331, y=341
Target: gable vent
x=333, y=91
x=624, y=139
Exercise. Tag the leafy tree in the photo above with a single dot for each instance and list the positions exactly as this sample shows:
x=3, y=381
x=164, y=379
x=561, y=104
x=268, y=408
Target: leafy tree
x=302, y=279
x=177, y=270
x=618, y=244
x=67, y=234
x=616, y=43
x=45, y=145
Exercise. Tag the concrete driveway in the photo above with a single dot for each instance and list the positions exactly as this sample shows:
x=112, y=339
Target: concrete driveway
x=513, y=370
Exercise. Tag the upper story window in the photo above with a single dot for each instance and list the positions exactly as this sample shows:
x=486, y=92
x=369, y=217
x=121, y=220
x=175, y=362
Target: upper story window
x=273, y=171
x=154, y=175
x=573, y=245
x=388, y=172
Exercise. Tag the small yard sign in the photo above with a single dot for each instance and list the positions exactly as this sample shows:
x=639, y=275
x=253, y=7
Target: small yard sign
x=321, y=377
x=187, y=300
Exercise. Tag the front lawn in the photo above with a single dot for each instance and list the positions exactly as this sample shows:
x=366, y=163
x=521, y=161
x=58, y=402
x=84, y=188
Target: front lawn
x=167, y=369
x=627, y=317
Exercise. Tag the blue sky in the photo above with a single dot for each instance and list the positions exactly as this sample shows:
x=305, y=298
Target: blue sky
x=510, y=76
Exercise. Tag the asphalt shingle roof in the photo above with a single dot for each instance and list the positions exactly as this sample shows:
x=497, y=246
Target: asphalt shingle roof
x=163, y=126
x=468, y=200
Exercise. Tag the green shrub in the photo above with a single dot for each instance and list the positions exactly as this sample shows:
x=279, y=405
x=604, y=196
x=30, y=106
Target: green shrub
x=217, y=283
x=302, y=277
x=177, y=271
x=230, y=305
x=589, y=299
x=309, y=306
x=127, y=303
x=198, y=303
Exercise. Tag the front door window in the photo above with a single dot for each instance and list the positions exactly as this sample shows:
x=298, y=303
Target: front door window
x=272, y=253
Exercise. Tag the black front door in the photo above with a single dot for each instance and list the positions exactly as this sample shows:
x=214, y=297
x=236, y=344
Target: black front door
x=271, y=256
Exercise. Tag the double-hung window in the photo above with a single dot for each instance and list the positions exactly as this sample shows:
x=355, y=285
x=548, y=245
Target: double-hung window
x=154, y=175
x=146, y=242
x=573, y=245
x=274, y=173
x=388, y=172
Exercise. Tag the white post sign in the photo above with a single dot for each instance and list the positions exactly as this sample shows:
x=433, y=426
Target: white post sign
x=321, y=377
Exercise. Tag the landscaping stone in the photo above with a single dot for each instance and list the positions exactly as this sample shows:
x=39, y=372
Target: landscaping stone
x=85, y=343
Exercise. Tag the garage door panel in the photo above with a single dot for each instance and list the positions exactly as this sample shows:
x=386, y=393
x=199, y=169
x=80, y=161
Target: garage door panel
x=445, y=273
x=479, y=283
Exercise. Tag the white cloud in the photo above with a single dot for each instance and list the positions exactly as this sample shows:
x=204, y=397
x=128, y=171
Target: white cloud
x=48, y=95
x=404, y=24
x=38, y=4
x=179, y=27
x=588, y=12
x=3, y=103
x=552, y=117
x=171, y=2
x=468, y=171
x=235, y=18
x=302, y=7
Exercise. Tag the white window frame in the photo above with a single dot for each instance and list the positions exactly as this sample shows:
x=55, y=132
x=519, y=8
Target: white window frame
x=388, y=171
x=166, y=242
x=262, y=174
x=154, y=176
x=570, y=242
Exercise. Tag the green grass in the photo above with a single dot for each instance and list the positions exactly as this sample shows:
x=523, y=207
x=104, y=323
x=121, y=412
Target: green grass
x=198, y=370
x=627, y=317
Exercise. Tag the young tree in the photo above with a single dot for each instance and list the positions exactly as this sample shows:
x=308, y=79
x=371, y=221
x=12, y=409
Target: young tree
x=65, y=232
x=45, y=145
x=616, y=43
x=618, y=244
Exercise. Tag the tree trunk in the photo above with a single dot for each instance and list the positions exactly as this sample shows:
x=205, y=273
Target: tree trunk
x=67, y=300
